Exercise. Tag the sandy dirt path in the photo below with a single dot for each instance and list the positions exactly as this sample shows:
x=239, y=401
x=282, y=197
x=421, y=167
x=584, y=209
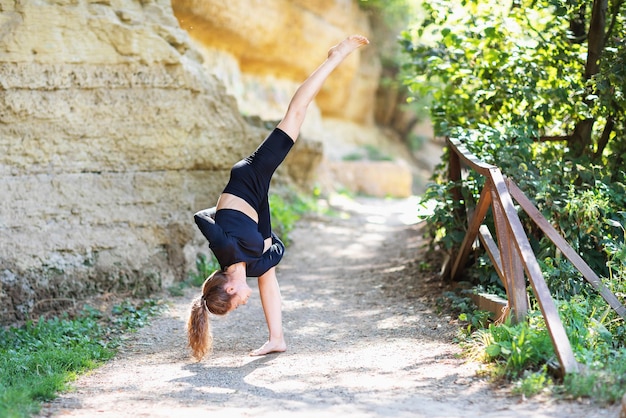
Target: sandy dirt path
x=364, y=341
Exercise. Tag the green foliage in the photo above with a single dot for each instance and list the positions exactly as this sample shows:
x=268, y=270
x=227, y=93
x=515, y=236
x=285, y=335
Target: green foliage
x=522, y=352
x=287, y=208
x=533, y=383
x=498, y=77
x=129, y=317
x=204, y=267
x=587, y=332
x=486, y=63
x=604, y=381
x=445, y=229
x=615, y=248
x=520, y=347
x=39, y=359
x=466, y=309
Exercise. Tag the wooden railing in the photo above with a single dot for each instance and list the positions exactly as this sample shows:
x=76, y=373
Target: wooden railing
x=510, y=251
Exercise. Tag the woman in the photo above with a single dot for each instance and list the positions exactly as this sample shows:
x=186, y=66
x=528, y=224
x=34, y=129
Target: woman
x=238, y=228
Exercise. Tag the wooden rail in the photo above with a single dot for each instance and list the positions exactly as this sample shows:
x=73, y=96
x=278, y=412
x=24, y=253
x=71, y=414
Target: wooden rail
x=510, y=251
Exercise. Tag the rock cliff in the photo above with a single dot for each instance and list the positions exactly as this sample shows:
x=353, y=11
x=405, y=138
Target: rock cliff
x=274, y=48
x=120, y=118
x=262, y=54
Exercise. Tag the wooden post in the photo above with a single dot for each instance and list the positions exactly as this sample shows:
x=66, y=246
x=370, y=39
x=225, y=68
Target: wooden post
x=561, y=343
x=454, y=175
x=509, y=257
x=472, y=232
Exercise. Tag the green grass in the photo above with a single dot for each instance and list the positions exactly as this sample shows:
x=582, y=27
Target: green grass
x=39, y=359
x=522, y=353
x=604, y=382
x=533, y=383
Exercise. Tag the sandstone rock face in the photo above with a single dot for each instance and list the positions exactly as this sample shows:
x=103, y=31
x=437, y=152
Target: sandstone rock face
x=111, y=136
x=263, y=55
x=121, y=118
x=269, y=47
x=372, y=178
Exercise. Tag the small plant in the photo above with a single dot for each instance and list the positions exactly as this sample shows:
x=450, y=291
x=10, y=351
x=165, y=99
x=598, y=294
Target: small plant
x=512, y=349
x=205, y=265
x=533, y=383
x=604, y=381
x=424, y=266
x=286, y=209
x=466, y=309
x=129, y=317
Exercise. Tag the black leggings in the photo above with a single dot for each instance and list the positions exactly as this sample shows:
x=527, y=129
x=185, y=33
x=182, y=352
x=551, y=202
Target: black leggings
x=250, y=178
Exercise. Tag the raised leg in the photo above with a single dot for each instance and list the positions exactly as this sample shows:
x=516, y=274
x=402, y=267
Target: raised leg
x=272, y=308
x=304, y=95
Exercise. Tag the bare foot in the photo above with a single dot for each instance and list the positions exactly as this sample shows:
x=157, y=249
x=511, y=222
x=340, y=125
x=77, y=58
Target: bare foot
x=270, y=347
x=345, y=47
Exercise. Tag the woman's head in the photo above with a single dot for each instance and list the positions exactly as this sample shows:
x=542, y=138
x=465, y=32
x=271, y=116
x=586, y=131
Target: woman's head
x=224, y=291
x=221, y=293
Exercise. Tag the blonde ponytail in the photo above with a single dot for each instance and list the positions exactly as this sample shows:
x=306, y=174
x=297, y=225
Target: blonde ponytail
x=214, y=299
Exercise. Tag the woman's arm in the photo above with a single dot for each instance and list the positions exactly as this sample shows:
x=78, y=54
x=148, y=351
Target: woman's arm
x=270, y=258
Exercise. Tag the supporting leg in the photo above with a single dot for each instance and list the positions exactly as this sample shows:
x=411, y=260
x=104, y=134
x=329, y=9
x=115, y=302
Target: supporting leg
x=272, y=308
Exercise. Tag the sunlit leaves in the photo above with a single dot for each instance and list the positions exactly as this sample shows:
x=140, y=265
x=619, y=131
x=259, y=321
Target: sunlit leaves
x=496, y=66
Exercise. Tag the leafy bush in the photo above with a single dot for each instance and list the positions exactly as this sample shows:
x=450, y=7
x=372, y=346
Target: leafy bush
x=516, y=348
x=286, y=209
x=205, y=265
x=522, y=352
x=499, y=77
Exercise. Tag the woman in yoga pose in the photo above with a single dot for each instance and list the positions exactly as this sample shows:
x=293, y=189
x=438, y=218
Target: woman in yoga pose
x=238, y=228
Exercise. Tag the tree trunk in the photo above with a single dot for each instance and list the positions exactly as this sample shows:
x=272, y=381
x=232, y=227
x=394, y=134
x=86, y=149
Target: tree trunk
x=581, y=140
x=596, y=37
